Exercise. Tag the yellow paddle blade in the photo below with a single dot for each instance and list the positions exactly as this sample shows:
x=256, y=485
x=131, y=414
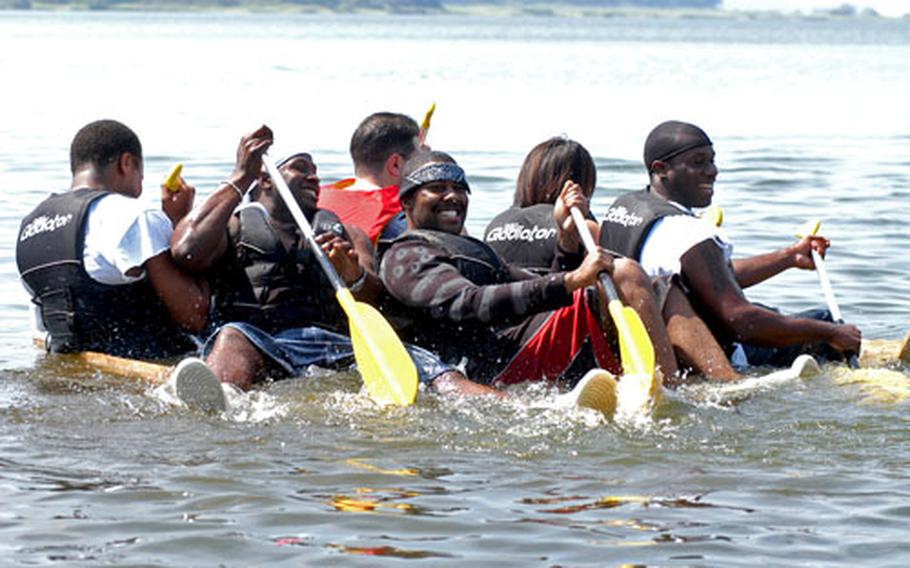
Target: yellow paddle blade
x=172, y=181
x=904, y=354
x=635, y=348
x=385, y=365
x=425, y=125
x=808, y=228
x=714, y=215
x=640, y=388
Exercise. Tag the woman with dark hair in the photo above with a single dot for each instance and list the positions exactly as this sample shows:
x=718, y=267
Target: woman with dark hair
x=525, y=234
x=548, y=166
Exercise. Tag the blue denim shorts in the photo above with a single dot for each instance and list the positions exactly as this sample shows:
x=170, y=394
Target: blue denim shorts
x=297, y=348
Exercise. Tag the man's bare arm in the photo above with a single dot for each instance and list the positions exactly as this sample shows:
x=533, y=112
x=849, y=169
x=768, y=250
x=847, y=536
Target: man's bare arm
x=713, y=281
x=756, y=269
x=185, y=296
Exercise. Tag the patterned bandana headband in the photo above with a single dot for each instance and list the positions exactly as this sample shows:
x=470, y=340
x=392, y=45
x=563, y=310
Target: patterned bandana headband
x=430, y=173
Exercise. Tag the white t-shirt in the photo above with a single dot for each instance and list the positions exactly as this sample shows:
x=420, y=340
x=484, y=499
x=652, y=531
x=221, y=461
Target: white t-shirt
x=121, y=233
x=672, y=236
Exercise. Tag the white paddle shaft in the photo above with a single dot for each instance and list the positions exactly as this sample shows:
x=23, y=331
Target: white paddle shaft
x=582, y=227
x=826, y=286
x=296, y=212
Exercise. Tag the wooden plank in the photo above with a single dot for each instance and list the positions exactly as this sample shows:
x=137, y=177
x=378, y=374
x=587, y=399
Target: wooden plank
x=155, y=373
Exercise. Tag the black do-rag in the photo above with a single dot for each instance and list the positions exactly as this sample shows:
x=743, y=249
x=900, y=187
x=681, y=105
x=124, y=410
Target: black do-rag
x=672, y=138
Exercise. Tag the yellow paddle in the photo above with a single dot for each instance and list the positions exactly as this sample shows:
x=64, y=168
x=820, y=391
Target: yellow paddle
x=635, y=348
x=172, y=181
x=808, y=229
x=425, y=125
x=714, y=215
x=385, y=365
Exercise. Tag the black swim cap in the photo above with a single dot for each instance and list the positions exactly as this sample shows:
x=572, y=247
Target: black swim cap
x=672, y=138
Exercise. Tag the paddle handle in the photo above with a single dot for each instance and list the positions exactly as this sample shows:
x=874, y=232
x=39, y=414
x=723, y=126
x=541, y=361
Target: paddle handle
x=285, y=192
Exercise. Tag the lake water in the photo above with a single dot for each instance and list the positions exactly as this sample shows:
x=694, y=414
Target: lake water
x=809, y=120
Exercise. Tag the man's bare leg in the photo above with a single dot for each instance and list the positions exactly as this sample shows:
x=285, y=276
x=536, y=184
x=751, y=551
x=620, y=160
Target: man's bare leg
x=235, y=360
x=694, y=343
x=634, y=289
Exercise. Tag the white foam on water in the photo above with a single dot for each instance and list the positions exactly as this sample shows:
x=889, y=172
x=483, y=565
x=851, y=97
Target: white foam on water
x=253, y=407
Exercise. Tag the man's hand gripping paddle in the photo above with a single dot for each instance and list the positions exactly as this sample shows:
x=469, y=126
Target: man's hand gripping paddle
x=808, y=229
x=635, y=347
x=385, y=365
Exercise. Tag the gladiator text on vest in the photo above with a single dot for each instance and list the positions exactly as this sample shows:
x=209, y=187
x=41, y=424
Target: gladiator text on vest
x=518, y=232
x=44, y=224
x=621, y=216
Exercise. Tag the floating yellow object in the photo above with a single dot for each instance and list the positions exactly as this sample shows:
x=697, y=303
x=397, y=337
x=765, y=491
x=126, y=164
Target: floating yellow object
x=172, y=181
x=370, y=467
x=885, y=352
x=878, y=386
x=425, y=125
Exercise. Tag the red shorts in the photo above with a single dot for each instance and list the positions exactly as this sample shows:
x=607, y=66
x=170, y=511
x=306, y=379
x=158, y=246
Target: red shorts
x=553, y=347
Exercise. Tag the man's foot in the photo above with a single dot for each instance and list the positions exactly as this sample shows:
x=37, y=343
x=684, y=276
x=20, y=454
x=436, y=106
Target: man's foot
x=197, y=386
x=596, y=390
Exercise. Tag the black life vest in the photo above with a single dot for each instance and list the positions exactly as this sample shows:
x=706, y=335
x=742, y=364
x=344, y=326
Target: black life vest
x=630, y=218
x=524, y=236
x=627, y=225
x=473, y=343
x=79, y=313
x=264, y=284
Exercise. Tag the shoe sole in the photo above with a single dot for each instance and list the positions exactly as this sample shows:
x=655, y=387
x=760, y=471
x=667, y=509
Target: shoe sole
x=198, y=387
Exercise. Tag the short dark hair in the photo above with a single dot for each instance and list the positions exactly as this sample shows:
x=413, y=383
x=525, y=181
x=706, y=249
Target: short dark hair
x=101, y=142
x=379, y=136
x=547, y=167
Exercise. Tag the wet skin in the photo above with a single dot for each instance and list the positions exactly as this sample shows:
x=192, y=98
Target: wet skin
x=688, y=179
x=438, y=206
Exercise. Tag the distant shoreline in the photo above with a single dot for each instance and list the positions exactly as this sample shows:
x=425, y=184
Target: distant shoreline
x=493, y=9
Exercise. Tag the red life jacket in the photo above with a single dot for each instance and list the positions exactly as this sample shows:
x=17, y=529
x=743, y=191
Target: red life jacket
x=369, y=209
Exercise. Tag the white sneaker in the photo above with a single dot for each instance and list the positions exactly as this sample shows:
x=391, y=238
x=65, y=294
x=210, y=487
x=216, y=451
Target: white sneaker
x=596, y=390
x=197, y=386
